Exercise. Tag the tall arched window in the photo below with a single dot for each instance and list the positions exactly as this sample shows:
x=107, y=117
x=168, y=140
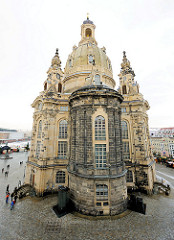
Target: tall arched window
x=124, y=90
x=100, y=131
x=129, y=177
x=39, y=129
x=97, y=79
x=125, y=138
x=63, y=129
x=60, y=177
x=88, y=32
x=59, y=87
x=45, y=86
x=124, y=129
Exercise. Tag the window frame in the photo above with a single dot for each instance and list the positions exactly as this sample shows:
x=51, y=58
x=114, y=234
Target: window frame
x=62, y=149
x=63, y=129
x=100, y=156
x=101, y=192
x=100, y=128
x=60, y=175
x=39, y=134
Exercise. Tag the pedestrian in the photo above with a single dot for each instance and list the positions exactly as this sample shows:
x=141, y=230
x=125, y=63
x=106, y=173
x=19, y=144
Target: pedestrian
x=12, y=205
x=7, y=189
x=15, y=197
x=7, y=197
x=12, y=196
x=2, y=170
x=19, y=184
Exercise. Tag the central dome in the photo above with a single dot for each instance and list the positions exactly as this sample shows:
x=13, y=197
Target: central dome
x=87, y=64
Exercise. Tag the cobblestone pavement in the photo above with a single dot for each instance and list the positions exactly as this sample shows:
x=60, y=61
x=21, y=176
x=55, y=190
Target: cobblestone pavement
x=34, y=219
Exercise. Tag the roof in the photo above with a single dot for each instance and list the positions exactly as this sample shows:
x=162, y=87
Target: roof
x=87, y=21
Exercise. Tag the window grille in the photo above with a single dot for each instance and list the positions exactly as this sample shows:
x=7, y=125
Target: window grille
x=100, y=155
x=64, y=108
x=60, y=177
x=90, y=59
x=63, y=129
x=62, y=149
x=38, y=148
x=100, y=133
x=124, y=129
x=126, y=154
x=39, y=129
x=101, y=192
x=123, y=110
x=129, y=176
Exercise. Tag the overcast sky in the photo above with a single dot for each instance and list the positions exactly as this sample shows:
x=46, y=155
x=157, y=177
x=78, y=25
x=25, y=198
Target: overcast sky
x=31, y=30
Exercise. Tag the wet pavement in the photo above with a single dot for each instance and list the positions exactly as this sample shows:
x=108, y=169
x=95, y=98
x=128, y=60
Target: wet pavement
x=34, y=219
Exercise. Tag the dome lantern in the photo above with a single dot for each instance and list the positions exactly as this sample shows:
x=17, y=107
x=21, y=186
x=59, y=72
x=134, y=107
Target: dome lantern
x=88, y=32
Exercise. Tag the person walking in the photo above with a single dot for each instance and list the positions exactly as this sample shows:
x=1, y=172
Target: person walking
x=7, y=189
x=15, y=197
x=19, y=183
x=7, y=197
x=12, y=205
x=2, y=170
x=12, y=196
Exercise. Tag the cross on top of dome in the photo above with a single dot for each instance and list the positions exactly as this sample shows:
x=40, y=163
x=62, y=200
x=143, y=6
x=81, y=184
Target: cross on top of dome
x=87, y=21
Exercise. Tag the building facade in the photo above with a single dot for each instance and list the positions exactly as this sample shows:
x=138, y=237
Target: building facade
x=84, y=133
x=162, y=132
x=163, y=146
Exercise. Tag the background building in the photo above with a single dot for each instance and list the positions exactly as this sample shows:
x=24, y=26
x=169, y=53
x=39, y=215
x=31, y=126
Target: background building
x=162, y=141
x=83, y=131
x=9, y=135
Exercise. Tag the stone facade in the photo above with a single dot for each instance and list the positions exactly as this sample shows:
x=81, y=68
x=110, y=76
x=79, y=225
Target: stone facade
x=76, y=106
x=86, y=104
x=139, y=159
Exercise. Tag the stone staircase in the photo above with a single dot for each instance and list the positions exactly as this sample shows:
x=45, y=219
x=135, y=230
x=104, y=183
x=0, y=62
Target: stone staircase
x=25, y=190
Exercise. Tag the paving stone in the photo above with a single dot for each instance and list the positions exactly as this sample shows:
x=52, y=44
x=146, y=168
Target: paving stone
x=34, y=219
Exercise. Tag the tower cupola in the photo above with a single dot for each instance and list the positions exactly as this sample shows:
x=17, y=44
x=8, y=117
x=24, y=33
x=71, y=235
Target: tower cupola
x=55, y=75
x=56, y=60
x=127, y=84
x=88, y=32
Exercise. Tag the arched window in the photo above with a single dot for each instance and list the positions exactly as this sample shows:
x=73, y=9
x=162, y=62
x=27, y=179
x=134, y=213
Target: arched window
x=45, y=86
x=63, y=129
x=101, y=192
x=58, y=76
x=100, y=132
x=129, y=176
x=97, y=79
x=126, y=154
x=59, y=87
x=38, y=145
x=88, y=32
x=124, y=129
x=39, y=129
x=90, y=58
x=40, y=106
x=124, y=90
x=60, y=177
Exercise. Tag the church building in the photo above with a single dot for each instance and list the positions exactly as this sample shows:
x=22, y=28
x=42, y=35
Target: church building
x=88, y=136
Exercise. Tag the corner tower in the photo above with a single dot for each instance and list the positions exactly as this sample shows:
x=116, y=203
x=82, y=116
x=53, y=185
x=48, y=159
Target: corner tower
x=137, y=151
x=47, y=162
